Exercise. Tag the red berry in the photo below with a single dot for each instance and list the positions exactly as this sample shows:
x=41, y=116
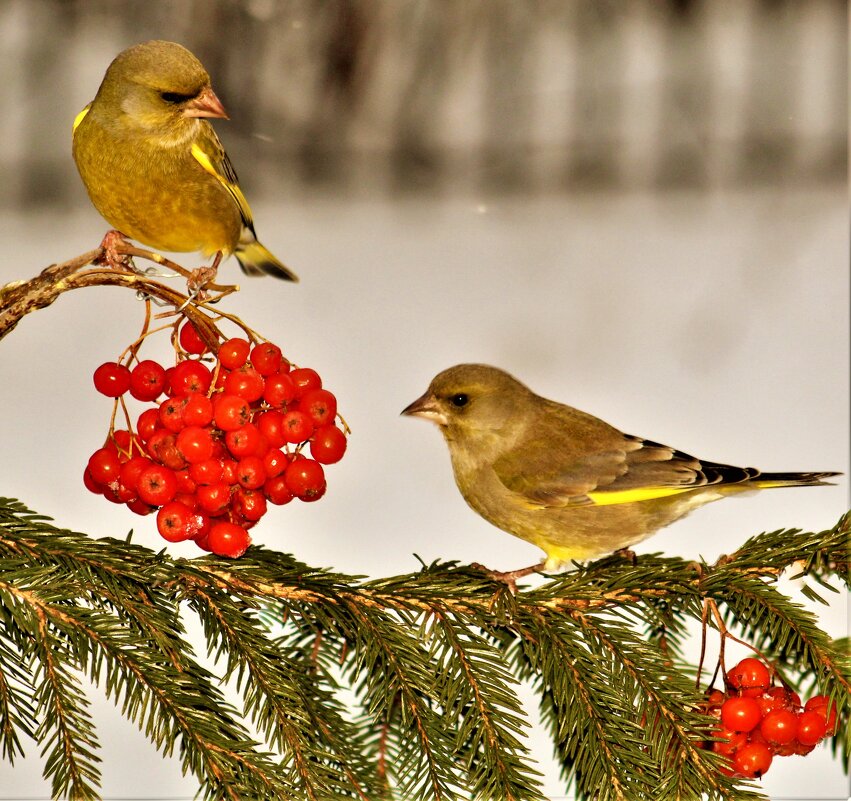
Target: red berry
x=197, y=410
x=123, y=440
x=305, y=379
x=190, y=340
x=245, y=382
x=824, y=707
x=90, y=484
x=174, y=522
x=112, y=379
x=276, y=490
x=319, y=405
x=279, y=389
x=275, y=461
x=162, y=447
x=266, y=358
x=750, y=677
x=714, y=698
x=228, y=539
x=147, y=423
x=774, y=698
x=250, y=472
x=213, y=498
x=271, y=425
x=812, y=727
x=779, y=726
x=195, y=444
x=752, y=760
x=740, y=713
x=131, y=470
x=229, y=471
x=139, y=507
x=208, y=471
x=296, y=426
x=147, y=380
x=157, y=485
x=189, y=376
x=249, y=504
x=233, y=353
x=800, y=748
x=230, y=412
x=729, y=742
x=243, y=441
x=171, y=414
x=188, y=499
x=104, y=466
x=328, y=444
x=305, y=479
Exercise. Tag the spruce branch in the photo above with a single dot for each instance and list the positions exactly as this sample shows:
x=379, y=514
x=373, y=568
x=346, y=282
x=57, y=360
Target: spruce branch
x=432, y=658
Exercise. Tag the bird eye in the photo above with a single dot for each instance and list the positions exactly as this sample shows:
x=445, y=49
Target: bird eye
x=459, y=400
x=175, y=97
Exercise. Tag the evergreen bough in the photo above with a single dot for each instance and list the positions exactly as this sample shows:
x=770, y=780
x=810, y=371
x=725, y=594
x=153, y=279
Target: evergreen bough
x=432, y=659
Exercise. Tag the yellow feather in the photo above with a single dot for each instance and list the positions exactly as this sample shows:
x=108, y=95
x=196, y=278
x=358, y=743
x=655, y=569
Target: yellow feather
x=79, y=118
x=635, y=495
x=236, y=193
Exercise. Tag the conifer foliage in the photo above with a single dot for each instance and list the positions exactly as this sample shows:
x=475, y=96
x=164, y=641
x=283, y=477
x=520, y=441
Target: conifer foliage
x=432, y=658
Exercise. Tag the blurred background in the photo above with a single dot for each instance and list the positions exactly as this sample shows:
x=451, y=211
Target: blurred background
x=636, y=207
x=386, y=96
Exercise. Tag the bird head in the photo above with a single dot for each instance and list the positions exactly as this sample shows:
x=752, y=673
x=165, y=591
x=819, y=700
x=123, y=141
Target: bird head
x=158, y=85
x=473, y=402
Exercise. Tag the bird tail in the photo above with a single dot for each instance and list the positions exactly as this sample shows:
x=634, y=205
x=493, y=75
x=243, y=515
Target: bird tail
x=769, y=480
x=257, y=260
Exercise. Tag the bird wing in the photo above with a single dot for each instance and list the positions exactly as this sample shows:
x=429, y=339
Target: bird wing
x=210, y=154
x=594, y=464
x=79, y=118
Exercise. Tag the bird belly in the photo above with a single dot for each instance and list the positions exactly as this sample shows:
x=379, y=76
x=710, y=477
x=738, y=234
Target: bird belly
x=568, y=533
x=159, y=197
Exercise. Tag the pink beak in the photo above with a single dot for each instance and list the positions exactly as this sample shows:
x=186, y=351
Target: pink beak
x=427, y=408
x=205, y=105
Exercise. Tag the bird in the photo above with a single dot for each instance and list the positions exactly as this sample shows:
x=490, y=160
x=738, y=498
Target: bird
x=152, y=163
x=564, y=480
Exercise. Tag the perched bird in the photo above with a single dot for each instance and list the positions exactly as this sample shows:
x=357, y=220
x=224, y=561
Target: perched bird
x=566, y=481
x=154, y=167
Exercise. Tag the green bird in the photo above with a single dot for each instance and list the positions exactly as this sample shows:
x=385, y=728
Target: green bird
x=153, y=165
x=564, y=480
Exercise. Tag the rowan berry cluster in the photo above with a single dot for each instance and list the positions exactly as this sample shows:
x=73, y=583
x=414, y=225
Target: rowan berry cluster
x=758, y=720
x=225, y=441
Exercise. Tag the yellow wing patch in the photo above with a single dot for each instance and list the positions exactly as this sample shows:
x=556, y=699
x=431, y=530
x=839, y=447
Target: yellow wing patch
x=635, y=495
x=235, y=192
x=79, y=118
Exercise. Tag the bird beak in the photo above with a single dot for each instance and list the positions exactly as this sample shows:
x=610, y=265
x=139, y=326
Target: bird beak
x=426, y=407
x=205, y=105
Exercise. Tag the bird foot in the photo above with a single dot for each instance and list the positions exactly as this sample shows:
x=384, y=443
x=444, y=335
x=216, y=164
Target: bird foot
x=509, y=577
x=111, y=256
x=201, y=277
x=628, y=554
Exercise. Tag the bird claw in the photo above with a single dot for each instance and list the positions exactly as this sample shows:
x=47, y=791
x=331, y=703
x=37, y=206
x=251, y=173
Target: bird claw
x=509, y=577
x=628, y=554
x=111, y=256
x=201, y=277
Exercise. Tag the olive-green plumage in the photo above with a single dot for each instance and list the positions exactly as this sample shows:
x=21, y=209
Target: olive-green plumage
x=154, y=167
x=569, y=483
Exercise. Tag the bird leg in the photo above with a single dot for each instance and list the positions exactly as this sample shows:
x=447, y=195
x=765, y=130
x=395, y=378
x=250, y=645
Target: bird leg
x=112, y=255
x=202, y=276
x=509, y=577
